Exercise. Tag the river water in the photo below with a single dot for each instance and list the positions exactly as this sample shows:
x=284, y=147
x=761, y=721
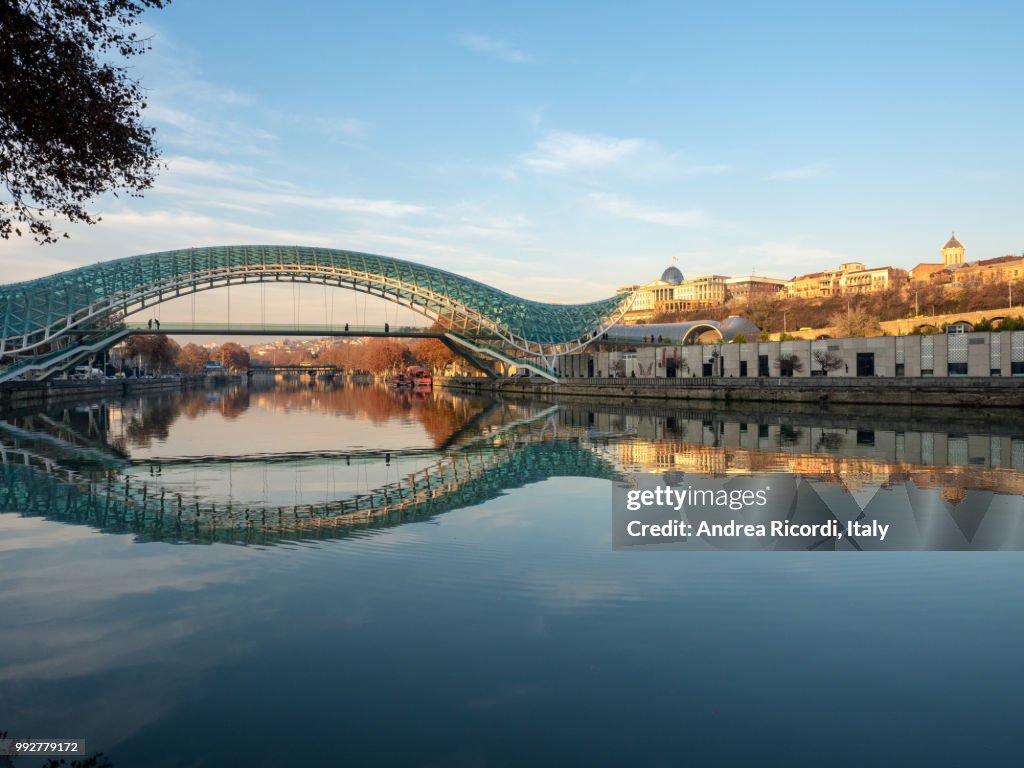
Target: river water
x=326, y=574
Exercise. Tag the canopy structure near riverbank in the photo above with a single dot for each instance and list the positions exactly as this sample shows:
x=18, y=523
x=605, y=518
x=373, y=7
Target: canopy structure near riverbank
x=687, y=332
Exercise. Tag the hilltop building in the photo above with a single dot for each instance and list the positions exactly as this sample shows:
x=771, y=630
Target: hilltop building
x=1004, y=269
x=956, y=272
x=953, y=253
x=952, y=258
x=923, y=273
x=674, y=293
x=746, y=287
x=850, y=277
x=873, y=280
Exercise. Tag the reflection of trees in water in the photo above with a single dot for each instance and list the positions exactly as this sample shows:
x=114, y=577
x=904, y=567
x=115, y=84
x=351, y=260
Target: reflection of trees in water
x=440, y=416
x=152, y=421
x=234, y=403
x=154, y=418
x=230, y=403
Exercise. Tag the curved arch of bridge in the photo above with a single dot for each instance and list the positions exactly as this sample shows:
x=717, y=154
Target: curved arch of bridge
x=42, y=313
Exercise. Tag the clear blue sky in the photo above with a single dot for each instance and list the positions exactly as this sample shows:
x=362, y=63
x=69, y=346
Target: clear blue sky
x=559, y=150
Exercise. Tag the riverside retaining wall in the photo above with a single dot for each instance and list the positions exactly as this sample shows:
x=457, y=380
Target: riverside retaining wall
x=959, y=392
x=25, y=394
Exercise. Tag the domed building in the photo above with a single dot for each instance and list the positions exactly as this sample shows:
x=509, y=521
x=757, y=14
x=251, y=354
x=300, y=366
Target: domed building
x=672, y=276
x=953, y=252
x=674, y=293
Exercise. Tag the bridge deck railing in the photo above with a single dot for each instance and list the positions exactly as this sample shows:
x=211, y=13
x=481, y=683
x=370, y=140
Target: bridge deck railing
x=306, y=329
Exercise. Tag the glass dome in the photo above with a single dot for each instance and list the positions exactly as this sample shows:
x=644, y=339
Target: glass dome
x=672, y=276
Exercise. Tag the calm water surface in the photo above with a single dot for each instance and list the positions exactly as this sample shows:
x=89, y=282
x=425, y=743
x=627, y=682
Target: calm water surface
x=491, y=623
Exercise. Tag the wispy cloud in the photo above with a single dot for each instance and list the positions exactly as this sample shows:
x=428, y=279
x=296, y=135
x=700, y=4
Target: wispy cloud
x=194, y=114
x=178, y=124
x=628, y=209
x=496, y=48
x=813, y=171
x=239, y=187
x=563, y=152
x=560, y=151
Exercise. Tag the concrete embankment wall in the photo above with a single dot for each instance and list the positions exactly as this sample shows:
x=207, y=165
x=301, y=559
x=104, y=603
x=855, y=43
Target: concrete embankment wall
x=24, y=394
x=961, y=392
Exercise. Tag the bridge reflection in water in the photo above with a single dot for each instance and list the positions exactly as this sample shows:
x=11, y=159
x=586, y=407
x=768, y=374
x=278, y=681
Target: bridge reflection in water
x=521, y=452
x=77, y=466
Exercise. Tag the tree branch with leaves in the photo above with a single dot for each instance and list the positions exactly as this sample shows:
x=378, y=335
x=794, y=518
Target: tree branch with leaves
x=70, y=115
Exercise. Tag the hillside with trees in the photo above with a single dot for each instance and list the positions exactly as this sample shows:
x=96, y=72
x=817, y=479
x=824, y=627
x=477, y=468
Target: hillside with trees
x=775, y=314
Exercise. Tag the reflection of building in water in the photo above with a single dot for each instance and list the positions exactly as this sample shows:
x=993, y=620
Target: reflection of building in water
x=678, y=438
x=954, y=496
x=662, y=455
x=708, y=461
x=705, y=443
x=637, y=454
x=852, y=472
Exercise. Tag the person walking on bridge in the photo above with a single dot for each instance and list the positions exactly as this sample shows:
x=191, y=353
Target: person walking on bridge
x=151, y=324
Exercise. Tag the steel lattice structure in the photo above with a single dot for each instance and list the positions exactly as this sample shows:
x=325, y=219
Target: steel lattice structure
x=49, y=312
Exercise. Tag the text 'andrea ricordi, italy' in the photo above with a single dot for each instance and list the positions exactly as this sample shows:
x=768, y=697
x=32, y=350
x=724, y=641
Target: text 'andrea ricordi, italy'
x=776, y=528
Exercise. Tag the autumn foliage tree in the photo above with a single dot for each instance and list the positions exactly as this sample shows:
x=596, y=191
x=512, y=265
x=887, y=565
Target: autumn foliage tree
x=233, y=356
x=344, y=355
x=434, y=354
x=192, y=358
x=384, y=356
x=152, y=350
x=70, y=114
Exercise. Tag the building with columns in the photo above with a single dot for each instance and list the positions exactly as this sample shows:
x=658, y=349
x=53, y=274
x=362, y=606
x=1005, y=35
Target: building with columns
x=674, y=293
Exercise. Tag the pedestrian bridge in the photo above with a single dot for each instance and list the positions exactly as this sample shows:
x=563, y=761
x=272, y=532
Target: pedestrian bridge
x=45, y=321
